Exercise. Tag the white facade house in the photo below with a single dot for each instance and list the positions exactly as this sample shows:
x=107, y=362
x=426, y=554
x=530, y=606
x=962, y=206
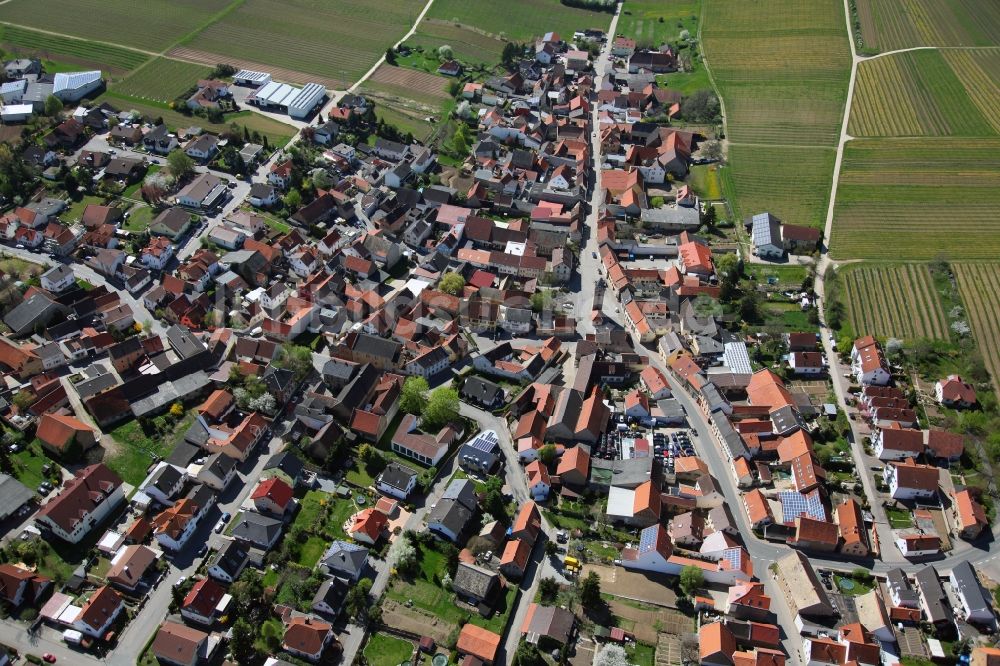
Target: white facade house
x=868, y=364
x=83, y=503
x=976, y=607
x=59, y=278
x=910, y=481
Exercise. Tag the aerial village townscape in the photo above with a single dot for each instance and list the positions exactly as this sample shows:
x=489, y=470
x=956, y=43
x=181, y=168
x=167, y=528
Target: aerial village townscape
x=381, y=332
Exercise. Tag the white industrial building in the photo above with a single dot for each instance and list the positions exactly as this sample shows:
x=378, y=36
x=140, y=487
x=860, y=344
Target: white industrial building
x=285, y=98
x=250, y=78
x=16, y=113
x=74, y=86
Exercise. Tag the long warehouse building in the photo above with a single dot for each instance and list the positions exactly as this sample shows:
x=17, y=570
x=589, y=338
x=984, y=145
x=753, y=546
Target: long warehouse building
x=285, y=98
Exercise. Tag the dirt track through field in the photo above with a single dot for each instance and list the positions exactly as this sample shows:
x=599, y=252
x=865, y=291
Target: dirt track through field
x=278, y=73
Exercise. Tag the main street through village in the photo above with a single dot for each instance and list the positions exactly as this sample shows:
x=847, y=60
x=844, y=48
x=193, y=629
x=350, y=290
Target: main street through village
x=587, y=295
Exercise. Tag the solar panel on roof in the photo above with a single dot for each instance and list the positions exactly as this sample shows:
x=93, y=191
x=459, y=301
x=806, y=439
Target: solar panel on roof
x=485, y=441
x=647, y=539
x=795, y=504
x=733, y=556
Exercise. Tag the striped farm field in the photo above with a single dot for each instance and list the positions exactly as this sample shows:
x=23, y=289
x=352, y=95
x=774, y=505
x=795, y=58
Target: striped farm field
x=86, y=54
x=918, y=198
x=927, y=93
x=517, y=20
x=339, y=40
x=161, y=80
x=979, y=71
x=782, y=68
x=888, y=25
x=151, y=25
x=420, y=86
x=893, y=300
x=792, y=183
x=979, y=288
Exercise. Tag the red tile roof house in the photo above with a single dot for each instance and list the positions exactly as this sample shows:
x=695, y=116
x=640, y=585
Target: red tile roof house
x=955, y=392
x=202, y=601
x=180, y=645
x=367, y=526
x=20, y=586
x=59, y=432
x=515, y=557
x=272, y=496
x=84, y=502
x=99, y=613
x=968, y=516
x=908, y=480
x=895, y=443
x=307, y=637
x=478, y=643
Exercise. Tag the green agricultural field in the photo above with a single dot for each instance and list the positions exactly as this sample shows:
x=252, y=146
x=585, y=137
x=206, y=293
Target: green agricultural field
x=893, y=300
x=790, y=182
x=151, y=25
x=468, y=45
x=782, y=68
x=979, y=288
x=979, y=71
x=405, y=121
x=919, y=199
x=519, y=20
x=896, y=24
x=922, y=93
x=69, y=51
x=337, y=41
x=161, y=80
x=654, y=22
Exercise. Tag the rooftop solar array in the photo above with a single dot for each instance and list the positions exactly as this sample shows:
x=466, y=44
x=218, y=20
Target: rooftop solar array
x=485, y=441
x=795, y=504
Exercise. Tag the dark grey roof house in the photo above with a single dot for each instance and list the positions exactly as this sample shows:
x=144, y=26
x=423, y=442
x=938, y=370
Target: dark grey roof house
x=345, y=559
x=229, y=560
x=257, y=531
x=329, y=598
x=482, y=392
x=933, y=599
x=476, y=583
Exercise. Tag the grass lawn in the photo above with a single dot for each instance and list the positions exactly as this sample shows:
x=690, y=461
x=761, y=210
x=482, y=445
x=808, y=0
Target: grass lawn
x=28, y=465
x=565, y=522
x=899, y=519
x=312, y=550
x=139, y=219
x=75, y=210
x=479, y=485
x=851, y=586
x=641, y=654
x=277, y=224
x=137, y=448
x=705, y=181
x=385, y=650
x=319, y=520
x=780, y=276
x=686, y=82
